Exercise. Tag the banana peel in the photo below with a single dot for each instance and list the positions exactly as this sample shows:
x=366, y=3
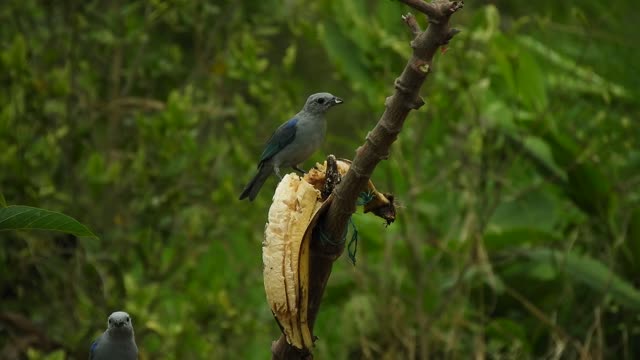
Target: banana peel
x=380, y=204
x=297, y=205
x=285, y=255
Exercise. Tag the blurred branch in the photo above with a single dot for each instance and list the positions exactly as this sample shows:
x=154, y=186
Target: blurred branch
x=147, y=104
x=375, y=149
x=30, y=336
x=136, y=102
x=543, y=318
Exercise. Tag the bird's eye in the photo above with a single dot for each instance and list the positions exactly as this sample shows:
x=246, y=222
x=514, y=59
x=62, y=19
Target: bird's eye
x=110, y=321
x=128, y=319
x=320, y=101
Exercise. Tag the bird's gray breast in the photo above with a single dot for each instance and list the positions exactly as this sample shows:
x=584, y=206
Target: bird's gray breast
x=116, y=349
x=309, y=137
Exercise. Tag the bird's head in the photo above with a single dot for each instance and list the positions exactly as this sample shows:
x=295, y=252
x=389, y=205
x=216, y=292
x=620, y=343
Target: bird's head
x=120, y=323
x=321, y=102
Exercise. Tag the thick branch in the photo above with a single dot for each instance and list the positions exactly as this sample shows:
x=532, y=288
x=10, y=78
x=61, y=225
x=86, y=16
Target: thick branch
x=376, y=148
x=405, y=98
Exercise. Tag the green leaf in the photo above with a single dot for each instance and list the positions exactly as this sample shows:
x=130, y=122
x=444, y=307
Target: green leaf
x=18, y=217
x=3, y=201
x=539, y=150
x=508, y=331
x=498, y=239
x=631, y=247
x=534, y=210
x=530, y=82
x=590, y=272
x=574, y=76
x=587, y=186
x=538, y=271
x=37, y=355
x=502, y=50
x=347, y=56
x=539, y=153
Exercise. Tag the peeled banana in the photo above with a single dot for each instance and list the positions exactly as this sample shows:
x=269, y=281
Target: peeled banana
x=295, y=209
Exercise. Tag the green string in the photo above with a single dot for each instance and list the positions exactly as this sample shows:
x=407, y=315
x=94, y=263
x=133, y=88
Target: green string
x=354, y=241
x=365, y=197
x=352, y=247
x=324, y=238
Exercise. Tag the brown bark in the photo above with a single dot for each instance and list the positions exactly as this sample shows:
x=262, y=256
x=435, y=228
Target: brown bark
x=375, y=148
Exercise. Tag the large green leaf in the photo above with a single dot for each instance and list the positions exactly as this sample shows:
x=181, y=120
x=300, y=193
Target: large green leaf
x=587, y=186
x=590, y=272
x=18, y=217
x=349, y=58
x=630, y=250
x=573, y=76
x=558, y=158
x=534, y=210
x=530, y=82
x=539, y=153
x=505, y=332
x=504, y=239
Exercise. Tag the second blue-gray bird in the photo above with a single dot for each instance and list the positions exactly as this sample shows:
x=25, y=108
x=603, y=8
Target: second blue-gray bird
x=117, y=342
x=293, y=142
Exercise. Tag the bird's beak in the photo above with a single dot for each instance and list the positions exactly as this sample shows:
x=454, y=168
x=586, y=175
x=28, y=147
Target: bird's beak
x=337, y=100
x=119, y=324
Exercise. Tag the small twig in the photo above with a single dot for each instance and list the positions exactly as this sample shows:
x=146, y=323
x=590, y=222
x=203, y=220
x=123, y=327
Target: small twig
x=412, y=23
x=430, y=9
x=542, y=317
x=137, y=102
x=148, y=104
x=30, y=334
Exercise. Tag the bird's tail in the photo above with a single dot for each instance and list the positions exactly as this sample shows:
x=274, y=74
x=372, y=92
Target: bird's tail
x=253, y=187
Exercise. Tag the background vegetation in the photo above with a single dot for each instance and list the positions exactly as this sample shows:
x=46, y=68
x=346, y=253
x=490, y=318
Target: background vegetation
x=519, y=232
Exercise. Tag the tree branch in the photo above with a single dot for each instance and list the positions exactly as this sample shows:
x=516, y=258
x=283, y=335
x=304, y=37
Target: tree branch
x=412, y=23
x=437, y=10
x=24, y=334
x=376, y=148
x=398, y=106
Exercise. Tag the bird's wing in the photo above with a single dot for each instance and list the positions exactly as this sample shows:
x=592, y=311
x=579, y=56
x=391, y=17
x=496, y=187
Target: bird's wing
x=93, y=349
x=282, y=137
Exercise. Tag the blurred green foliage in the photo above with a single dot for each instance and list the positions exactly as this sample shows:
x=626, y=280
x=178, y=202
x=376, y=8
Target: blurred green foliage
x=519, y=230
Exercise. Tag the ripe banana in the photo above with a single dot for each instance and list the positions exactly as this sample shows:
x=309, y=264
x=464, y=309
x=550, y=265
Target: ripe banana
x=293, y=214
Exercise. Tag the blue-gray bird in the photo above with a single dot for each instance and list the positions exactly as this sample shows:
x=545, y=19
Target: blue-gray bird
x=293, y=142
x=117, y=342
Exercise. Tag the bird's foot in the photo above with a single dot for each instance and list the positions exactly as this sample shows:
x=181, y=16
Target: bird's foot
x=277, y=171
x=296, y=168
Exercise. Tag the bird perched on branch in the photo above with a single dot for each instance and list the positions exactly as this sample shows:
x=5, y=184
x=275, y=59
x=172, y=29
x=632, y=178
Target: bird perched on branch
x=117, y=342
x=293, y=142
